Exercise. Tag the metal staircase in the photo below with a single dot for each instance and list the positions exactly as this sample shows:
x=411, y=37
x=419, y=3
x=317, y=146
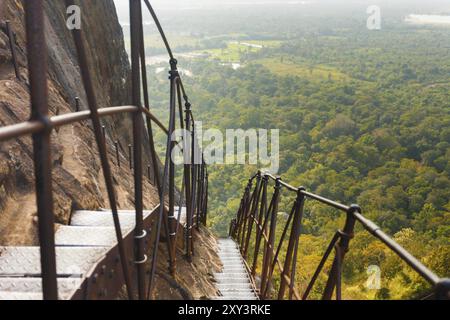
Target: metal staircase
x=233, y=282
x=86, y=255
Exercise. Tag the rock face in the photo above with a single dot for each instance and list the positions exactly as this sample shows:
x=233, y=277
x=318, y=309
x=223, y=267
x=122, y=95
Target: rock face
x=77, y=177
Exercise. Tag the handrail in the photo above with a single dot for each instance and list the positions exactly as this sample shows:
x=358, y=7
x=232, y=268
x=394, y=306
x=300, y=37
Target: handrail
x=265, y=221
x=31, y=127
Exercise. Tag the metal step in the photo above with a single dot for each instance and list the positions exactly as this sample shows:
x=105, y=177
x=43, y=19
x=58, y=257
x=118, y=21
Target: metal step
x=102, y=219
x=84, y=249
x=224, y=286
x=233, y=282
x=70, y=261
x=31, y=288
x=80, y=236
x=20, y=296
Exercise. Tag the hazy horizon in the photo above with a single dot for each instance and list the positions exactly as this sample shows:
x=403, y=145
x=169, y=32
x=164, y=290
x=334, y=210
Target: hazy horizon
x=191, y=6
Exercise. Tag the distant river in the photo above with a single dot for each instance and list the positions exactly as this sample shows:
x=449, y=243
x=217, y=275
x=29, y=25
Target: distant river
x=428, y=19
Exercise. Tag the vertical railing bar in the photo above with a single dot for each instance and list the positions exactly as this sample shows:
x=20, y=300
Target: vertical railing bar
x=345, y=236
x=320, y=266
x=37, y=66
x=135, y=36
x=253, y=211
x=294, y=265
x=171, y=214
x=194, y=189
x=130, y=156
x=161, y=216
x=249, y=200
x=243, y=213
x=293, y=241
x=259, y=230
x=187, y=147
x=77, y=104
x=271, y=241
x=92, y=102
x=280, y=244
x=151, y=141
x=206, y=198
x=338, y=272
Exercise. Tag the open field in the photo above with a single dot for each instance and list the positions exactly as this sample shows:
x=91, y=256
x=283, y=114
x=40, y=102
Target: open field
x=283, y=66
x=235, y=49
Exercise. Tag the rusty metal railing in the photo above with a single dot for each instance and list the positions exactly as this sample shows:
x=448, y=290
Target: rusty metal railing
x=41, y=125
x=254, y=210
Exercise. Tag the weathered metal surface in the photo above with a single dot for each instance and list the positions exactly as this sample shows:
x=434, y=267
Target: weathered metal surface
x=25, y=261
x=102, y=219
x=31, y=288
x=80, y=236
x=20, y=296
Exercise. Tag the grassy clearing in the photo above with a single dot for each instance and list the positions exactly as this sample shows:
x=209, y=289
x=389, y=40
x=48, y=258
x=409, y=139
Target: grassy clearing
x=235, y=49
x=282, y=66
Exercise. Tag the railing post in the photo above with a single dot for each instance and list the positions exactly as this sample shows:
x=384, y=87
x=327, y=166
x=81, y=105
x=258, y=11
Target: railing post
x=293, y=239
x=205, y=198
x=187, y=176
x=261, y=216
x=242, y=211
x=168, y=163
x=194, y=186
x=135, y=35
x=442, y=290
x=200, y=193
x=77, y=104
x=171, y=215
x=269, y=249
x=92, y=103
x=344, y=240
x=37, y=66
x=246, y=214
x=130, y=156
x=253, y=210
x=153, y=155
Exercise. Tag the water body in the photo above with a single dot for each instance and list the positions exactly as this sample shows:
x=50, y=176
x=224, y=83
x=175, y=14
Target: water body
x=425, y=19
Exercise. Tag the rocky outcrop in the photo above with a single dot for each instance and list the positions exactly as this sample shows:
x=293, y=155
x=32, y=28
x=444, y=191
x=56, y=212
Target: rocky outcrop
x=77, y=178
